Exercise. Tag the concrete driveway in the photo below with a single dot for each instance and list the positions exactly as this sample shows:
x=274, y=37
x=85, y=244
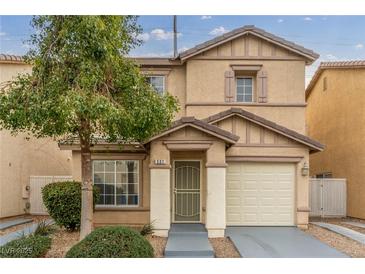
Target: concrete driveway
x=279, y=242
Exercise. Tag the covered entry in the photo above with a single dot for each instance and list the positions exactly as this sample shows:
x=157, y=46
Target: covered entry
x=260, y=194
x=187, y=191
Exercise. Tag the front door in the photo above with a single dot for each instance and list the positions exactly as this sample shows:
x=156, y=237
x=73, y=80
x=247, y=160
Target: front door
x=186, y=198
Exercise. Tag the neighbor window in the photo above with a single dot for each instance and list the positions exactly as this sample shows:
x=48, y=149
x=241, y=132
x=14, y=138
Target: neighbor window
x=117, y=181
x=157, y=82
x=244, y=89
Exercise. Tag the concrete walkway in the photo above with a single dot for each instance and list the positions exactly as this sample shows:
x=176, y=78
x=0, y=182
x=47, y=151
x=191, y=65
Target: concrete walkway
x=14, y=222
x=188, y=241
x=21, y=232
x=279, y=242
x=344, y=231
x=357, y=224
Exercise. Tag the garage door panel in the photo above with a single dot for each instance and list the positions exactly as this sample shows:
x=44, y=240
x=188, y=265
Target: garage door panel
x=260, y=194
x=233, y=185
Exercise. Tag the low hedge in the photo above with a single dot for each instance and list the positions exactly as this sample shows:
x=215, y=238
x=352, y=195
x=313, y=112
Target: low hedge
x=63, y=202
x=33, y=246
x=112, y=242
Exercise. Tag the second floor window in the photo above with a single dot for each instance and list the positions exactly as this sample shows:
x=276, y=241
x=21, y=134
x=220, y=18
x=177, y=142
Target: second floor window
x=157, y=82
x=244, y=89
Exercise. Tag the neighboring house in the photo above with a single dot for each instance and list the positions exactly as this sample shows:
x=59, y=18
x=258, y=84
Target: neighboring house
x=21, y=156
x=237, y=153
x=336, y=117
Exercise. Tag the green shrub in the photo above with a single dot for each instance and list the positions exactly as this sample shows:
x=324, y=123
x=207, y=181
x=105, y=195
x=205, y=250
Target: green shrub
x=112, y=242
x=33, y=246
x=63, y=202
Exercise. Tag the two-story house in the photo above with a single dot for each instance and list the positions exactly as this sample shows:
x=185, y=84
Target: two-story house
x=336, y=116
x=236, y=154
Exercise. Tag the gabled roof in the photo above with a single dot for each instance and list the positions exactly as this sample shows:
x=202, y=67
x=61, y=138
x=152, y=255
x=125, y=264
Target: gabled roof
x=354, y=64
x=200, y=125
x=291, y=134
x=250, y=29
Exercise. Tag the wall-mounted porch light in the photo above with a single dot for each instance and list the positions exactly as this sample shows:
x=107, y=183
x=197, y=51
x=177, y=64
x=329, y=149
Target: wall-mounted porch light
x=305, y=169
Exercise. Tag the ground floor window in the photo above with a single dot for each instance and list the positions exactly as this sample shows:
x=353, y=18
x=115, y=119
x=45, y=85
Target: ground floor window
x=118, y=182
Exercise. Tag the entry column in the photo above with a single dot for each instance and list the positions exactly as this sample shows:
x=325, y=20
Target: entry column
x=216, y=190
x=160, y=203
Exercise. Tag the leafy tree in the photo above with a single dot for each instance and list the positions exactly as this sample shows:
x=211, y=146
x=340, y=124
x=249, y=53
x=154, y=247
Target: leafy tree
x=82, y=85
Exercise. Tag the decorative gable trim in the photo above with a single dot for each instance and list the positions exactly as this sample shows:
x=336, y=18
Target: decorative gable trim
x=201, y=126
x=291, y=134
x=260, y=33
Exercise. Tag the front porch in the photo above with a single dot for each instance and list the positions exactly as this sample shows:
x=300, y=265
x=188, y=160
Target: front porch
x=187, y=180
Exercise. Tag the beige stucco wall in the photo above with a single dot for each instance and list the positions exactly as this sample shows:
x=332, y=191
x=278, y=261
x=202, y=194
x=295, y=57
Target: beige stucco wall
x=22, y=156
x=336, y=117
x=199, y=82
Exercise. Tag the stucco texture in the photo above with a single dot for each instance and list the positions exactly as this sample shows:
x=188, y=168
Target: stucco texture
x=336, y=117
x=22, y=156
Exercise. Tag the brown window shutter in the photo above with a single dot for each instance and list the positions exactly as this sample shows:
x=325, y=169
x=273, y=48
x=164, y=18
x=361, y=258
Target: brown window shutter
x=262, y=86
x=229, y=86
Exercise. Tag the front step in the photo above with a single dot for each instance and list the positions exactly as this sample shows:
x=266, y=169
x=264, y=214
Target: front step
x=188, y=241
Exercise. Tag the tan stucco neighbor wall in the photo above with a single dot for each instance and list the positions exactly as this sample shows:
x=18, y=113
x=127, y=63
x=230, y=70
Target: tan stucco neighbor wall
x=22, y=156
x=336, y=117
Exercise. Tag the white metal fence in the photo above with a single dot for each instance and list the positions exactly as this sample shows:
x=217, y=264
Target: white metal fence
x=35, y=193
x=327, y=197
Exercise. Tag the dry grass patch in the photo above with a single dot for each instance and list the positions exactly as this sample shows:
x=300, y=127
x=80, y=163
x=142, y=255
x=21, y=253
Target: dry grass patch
x=224, y=248
x=337, y=241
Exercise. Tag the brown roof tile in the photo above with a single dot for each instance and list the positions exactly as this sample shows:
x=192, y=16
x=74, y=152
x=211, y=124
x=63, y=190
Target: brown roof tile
x=7, y=58
x=262, y=121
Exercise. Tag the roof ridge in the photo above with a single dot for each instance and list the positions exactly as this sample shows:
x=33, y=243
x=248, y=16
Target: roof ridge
x=254, y=29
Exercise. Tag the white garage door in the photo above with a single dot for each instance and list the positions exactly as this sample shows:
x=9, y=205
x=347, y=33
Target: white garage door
x=260, y=194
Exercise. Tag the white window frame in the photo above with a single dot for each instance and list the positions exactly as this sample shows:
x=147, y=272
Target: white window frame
x=115, y=185
x=163, y=82
x=252, y=88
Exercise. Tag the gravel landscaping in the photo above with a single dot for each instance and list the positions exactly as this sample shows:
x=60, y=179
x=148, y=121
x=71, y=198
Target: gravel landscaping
x=339, y=242
x=62, y=241
x=158, y=244
x=224, y=248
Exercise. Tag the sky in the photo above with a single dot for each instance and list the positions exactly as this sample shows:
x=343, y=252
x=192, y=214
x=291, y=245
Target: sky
x=333, y=37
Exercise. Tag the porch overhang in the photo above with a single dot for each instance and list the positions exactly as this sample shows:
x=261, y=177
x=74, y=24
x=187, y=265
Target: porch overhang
x=200, y=125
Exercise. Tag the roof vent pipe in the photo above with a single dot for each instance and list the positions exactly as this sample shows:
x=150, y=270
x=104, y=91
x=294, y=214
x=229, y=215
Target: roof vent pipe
x=175, y=38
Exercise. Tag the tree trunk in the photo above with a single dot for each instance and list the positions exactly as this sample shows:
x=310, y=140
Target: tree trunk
x=87, y=189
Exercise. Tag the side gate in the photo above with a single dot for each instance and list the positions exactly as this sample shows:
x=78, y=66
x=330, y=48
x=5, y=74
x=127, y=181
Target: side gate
x=36, y=184
x=327, y=197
